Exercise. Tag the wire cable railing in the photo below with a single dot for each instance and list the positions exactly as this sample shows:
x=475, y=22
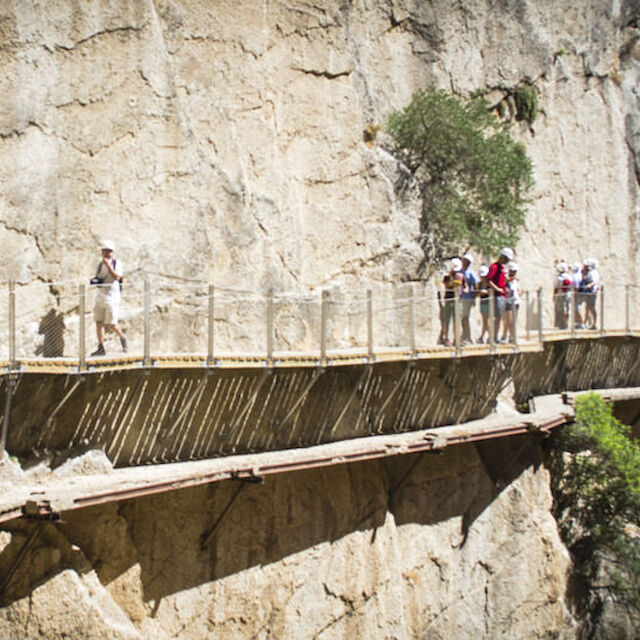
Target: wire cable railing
x=163, y=317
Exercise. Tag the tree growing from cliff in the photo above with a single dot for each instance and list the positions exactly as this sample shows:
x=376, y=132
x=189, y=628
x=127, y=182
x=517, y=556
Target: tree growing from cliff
x=471, y=176
x=596, y=480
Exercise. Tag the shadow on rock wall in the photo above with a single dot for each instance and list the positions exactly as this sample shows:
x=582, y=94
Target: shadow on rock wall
x=190, y=537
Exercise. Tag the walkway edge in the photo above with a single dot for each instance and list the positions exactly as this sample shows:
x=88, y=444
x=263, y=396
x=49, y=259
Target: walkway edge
x=52, y=496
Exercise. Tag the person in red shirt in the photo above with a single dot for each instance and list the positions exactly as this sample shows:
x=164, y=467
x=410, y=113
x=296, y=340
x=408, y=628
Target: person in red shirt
x=497, y=277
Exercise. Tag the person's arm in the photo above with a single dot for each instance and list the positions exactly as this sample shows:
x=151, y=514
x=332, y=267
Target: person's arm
x=492, y=284
x=115, y=273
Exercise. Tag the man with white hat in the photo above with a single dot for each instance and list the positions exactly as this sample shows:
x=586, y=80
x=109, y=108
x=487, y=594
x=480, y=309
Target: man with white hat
x=108, y=281
x=497, y=277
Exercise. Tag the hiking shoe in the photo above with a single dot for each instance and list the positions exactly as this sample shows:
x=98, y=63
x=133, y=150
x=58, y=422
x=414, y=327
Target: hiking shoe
x=99, y=351
x=124, y=343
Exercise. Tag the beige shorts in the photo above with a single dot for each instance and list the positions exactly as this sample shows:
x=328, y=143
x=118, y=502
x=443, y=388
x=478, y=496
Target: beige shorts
x=105, y=312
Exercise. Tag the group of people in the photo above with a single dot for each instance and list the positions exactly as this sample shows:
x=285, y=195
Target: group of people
x=498, y=282
x=581, y=284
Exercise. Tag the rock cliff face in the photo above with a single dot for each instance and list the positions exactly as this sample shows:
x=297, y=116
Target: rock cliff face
x=224, y=141
x=458, y=545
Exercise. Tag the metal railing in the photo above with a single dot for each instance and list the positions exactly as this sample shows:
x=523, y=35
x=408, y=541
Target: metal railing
x=54, y=321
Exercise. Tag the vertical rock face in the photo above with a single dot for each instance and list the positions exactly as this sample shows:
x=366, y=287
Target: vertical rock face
x=227, y=142
x=456, y=545
x=224, y=141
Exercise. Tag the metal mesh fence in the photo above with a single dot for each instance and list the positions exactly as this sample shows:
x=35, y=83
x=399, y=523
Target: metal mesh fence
x=165, y=317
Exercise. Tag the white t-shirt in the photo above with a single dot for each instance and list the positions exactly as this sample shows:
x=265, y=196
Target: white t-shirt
x=110, y=287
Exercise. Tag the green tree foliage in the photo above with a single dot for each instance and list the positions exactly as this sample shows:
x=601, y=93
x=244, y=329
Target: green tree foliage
x=471, y=176
x=596, y=470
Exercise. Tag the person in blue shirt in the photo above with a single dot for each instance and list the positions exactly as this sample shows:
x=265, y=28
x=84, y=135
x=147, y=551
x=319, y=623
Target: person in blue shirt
x=468, y=295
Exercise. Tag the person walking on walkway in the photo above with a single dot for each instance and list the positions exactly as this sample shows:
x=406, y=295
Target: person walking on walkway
x=497, y=277
x=108, y=281
x=453, y=283
x=512, y=303
x=467, y=295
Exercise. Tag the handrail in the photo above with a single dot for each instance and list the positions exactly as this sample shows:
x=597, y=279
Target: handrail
x=47, y=323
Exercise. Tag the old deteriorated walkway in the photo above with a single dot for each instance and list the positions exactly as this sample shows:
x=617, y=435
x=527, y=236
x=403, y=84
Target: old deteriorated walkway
x=209, y=419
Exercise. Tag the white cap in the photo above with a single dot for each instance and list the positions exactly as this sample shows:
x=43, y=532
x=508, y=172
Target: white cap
x=561, y=267
x=592, y=263
x=484, y=271
x=468, y=257
x=507, y=253
x=456, y=264
x=110, y=245
x=513, y=266
x=576, y=266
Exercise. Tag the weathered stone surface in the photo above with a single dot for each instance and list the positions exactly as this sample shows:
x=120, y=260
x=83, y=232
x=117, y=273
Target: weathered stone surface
x=460, y=544
x=228, y=143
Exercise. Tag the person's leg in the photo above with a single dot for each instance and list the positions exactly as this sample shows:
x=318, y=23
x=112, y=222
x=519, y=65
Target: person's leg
x=506, y=324
x=485, y=325
x=466, y=312
x=98, y=316
x=445, y=324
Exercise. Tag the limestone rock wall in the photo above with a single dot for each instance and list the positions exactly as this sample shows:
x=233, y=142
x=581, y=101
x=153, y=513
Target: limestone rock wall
x=225, y=141
x=457, y=545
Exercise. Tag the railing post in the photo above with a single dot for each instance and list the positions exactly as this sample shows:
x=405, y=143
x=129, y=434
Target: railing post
x=572, y=312
x=11, y=379
x=370, y=325
x=601, y=310
x=12, y=324
x=147, y=322
x=514, y=320
x=82, y=355
x=270, y=337
x=324, y=308
x=210, y=353
x=527, y=318
x=539, y=294
x=627, y=309
x=456, y=321
x=492, y=316
x=412, y=322
x=11, y=383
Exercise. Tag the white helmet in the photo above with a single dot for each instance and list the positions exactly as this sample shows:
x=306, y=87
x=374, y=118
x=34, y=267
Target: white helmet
x=513, y=266
x=109, y=245
x=484, y=271
x=456, y=264
x=468, y=257
x=562, y=267
x=507, y=253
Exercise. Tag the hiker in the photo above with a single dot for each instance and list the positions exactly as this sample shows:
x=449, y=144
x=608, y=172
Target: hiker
x=512, y=303
x=468, y=295
x=482, y=291
x=453, y=283
x=497, y=277
x=108, y=281
x=561, y=295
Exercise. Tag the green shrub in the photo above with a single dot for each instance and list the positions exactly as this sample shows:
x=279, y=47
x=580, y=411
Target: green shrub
x=526, y=101
x=472, y=178
x=596, y=471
